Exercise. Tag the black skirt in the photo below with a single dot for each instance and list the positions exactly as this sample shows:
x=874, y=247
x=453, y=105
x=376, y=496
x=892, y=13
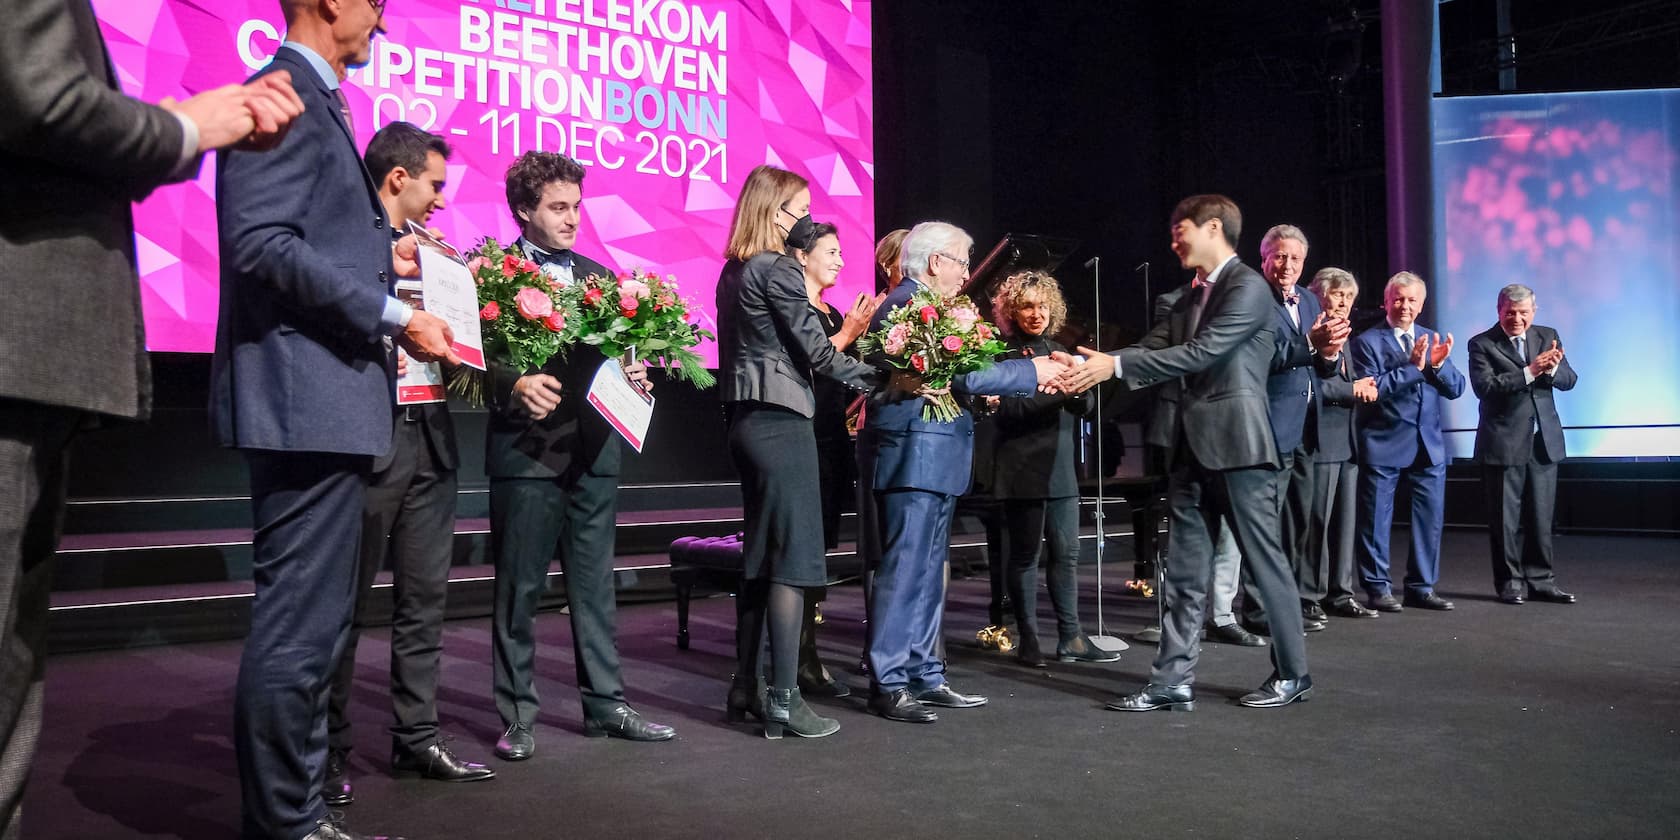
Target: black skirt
x=775, y=454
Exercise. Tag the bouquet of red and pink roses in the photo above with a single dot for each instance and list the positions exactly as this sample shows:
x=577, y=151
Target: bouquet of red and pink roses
x=523, y=318
x=938, y=339
x=641, y=312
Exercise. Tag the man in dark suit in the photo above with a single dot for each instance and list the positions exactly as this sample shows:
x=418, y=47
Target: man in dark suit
x=410, y=518
x=1293, y=401
x=1400, y=437
x=301, y=384
x=74, y=153
x=918, y=468
x=1514, y=369
x=1219, y=339
x=1331, y=526
x=553, y=464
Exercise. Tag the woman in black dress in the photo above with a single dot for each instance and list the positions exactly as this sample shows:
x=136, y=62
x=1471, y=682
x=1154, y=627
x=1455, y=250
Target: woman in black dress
x=836, y=460
x=770, y=347
x=1033, y=475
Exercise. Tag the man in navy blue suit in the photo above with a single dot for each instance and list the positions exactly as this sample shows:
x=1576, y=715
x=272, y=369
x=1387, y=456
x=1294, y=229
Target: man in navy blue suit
x=919, y=468
x=1308, y=343
x=1400, y=437
x=302, y=384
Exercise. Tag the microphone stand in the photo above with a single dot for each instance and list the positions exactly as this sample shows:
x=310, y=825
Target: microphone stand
x=1102, y=641
x=1152, y=635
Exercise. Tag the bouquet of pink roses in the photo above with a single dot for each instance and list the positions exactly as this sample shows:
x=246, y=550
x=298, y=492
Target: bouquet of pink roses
x=938, y=339
x=522, y=321
x=639, y=311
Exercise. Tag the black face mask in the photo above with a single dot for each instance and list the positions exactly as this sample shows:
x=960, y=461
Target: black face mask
x=799, y=236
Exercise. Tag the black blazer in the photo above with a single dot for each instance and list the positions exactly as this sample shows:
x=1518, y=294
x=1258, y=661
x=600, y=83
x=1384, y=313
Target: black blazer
x=1224, y=364
x=1290, y=395
x=1512, y=407
x=1330, y=434
x=75, y=153
x=1034, y=448
x=573, y=438
x=770, y=343
x=1161, y=428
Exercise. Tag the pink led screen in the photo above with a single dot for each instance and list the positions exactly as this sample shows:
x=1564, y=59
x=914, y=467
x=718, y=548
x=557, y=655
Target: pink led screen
x=667, y=103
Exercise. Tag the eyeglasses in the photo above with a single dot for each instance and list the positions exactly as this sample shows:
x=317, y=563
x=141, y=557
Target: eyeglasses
x=958, y=261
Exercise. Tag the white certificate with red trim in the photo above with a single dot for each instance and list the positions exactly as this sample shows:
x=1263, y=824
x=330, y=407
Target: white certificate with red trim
x=421, y=382
x=450, y=293
x=625, y=405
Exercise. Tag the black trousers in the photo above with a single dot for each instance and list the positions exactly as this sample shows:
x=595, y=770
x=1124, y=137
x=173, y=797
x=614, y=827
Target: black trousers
x=1295, y=500
x=1520, y=500
x=34, y=450
x=307, y=509
x=1198, y=496
x=530, y=518
x=410, y=520
x=1335, y=515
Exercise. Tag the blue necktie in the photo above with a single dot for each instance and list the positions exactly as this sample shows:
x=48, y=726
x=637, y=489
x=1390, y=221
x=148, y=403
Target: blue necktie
x=1522, y=352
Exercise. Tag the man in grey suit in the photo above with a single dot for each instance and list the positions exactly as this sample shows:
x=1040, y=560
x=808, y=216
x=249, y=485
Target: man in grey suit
x=302, y=385
x=1219, y=338
x=74, y=153
x=1515, y=368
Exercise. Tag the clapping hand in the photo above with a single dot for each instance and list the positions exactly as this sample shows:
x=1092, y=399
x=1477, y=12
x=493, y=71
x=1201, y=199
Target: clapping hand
x=1365, y=390
x=857, y=320
x=1420, y=351
x=1439, y=350
x=1548, y=361
x=1329, y=333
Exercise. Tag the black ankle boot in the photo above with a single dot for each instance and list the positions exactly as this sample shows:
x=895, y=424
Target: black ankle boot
x=745, y=698
x=786, y=710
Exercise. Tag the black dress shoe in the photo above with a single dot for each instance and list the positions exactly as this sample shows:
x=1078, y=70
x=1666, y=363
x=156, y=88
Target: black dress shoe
x=333, y=828
x=1313, y=612
x=1258, y=628
x=949, y=698
x=1234, y=634
x=1082, y=650
x=1551, y=594
x=516, y=744
x=818, y=683
x=624, y=722
x=1386, y=603
x=1511, y=593
x=1030, y=657
x=1349, y=608
x=1313, y=626
x=1428, y=601
x=1279, y=692
x=1178, y=698
x=438, y=762
x=336, y=790
x=900, y=706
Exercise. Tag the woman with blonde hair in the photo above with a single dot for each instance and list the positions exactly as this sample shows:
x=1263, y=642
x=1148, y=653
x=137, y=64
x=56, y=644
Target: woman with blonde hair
x=770, y=345
x=1033, y=475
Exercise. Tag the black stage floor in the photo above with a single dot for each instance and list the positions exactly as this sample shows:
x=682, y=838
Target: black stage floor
x=1489, y=721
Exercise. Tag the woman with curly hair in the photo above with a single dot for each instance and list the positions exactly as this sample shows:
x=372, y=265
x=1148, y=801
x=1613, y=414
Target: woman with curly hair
x=1033, y=475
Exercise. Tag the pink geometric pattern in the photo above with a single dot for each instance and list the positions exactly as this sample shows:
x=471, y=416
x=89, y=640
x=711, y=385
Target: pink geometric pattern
x=798, y=95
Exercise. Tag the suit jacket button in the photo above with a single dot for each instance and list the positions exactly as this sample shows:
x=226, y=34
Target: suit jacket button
x=378, y=223
x=381, y=275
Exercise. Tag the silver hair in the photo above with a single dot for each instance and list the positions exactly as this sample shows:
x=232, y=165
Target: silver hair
x=1330, y=278
x=1269, y=242
x=1515, y=293
x=926, y=239
x=1403, y=278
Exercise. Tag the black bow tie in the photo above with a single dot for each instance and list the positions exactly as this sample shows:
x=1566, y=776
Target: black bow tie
x=560, y=258
x=1292, y=298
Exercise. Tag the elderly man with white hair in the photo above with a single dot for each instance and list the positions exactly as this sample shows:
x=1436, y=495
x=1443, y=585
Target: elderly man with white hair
x=919, y=468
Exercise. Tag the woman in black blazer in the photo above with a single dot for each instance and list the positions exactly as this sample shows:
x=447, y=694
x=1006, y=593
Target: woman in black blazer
x=770, y=345
x=1033, y=475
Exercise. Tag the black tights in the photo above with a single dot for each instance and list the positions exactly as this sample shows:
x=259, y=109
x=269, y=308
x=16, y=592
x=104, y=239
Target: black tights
x=779, y=609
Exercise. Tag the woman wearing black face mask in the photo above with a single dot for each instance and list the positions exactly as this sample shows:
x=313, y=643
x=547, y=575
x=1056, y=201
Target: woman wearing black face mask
x=770, y=345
